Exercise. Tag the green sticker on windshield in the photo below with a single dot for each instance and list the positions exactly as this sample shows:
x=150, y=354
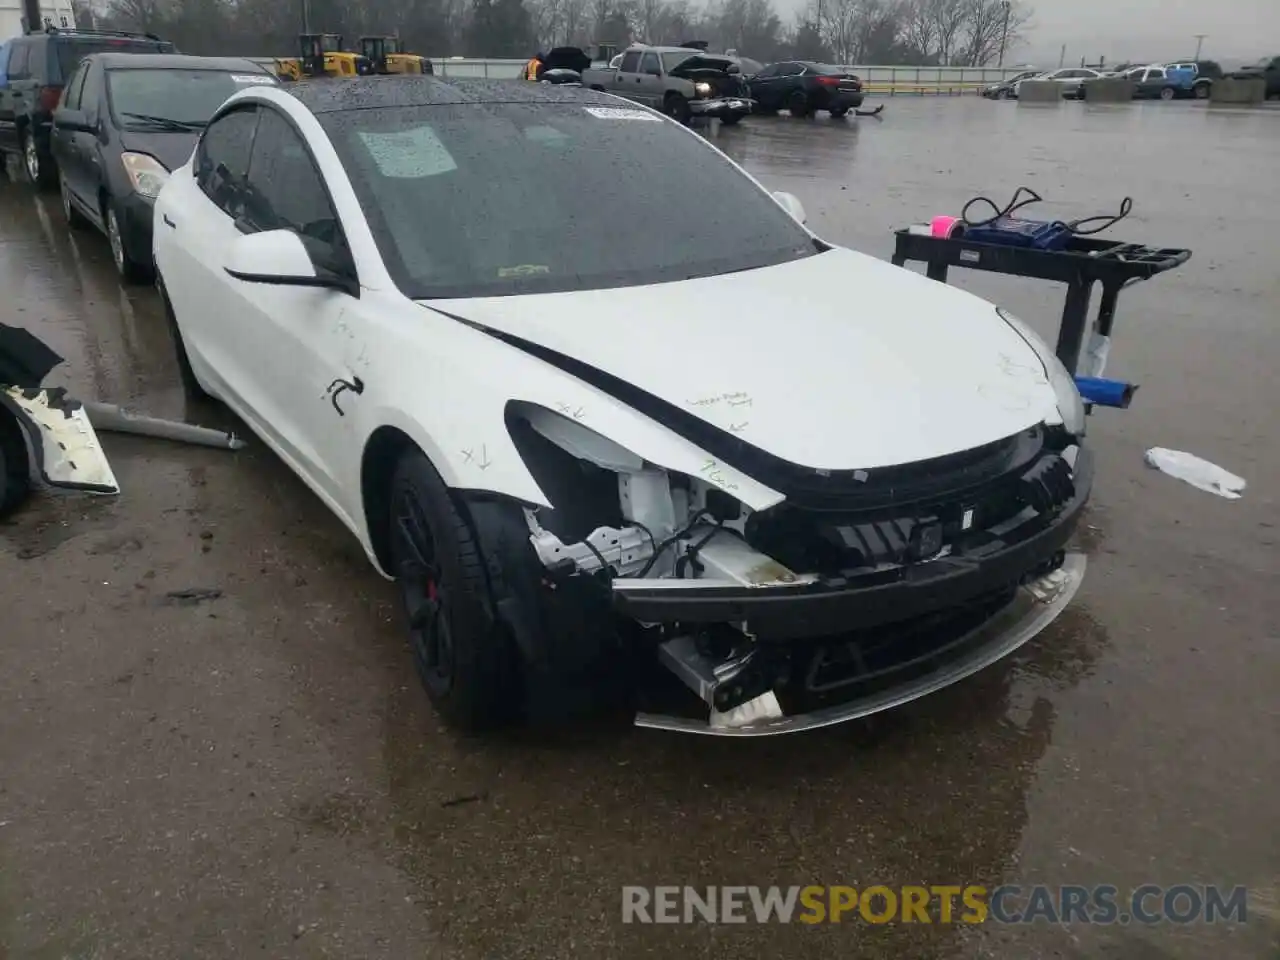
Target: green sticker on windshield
x=408, y=154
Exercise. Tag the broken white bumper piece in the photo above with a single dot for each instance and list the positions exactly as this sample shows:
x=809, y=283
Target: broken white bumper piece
x=1034, y=606
x=64, y=444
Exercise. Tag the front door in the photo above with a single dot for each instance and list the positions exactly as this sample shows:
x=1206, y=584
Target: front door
x=652, y=90
x=303, y=338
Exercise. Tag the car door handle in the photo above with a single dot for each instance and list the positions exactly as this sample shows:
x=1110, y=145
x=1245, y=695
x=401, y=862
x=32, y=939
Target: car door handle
x=169, y=223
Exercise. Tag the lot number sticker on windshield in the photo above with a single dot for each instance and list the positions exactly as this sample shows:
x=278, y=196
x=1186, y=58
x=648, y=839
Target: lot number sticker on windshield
x=408, y=154
x=621, y=113
x=251, y=78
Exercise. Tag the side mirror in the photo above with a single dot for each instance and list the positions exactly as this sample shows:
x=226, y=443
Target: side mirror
x=73, y=120
x=791, y=203
x=278, y=257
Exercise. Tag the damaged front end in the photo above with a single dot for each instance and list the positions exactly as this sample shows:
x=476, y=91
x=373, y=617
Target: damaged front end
x=859, y=591
x=719, y=88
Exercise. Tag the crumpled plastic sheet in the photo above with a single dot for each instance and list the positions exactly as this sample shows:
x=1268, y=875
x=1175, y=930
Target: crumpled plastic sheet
x=1200, y=473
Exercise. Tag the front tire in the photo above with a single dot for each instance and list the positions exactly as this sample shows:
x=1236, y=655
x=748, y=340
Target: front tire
x=129, y=269
x=464, y=659
x=677, y=108
x=839, y=113
x=1167, y=93
x=1201, y=91
x=731, y=120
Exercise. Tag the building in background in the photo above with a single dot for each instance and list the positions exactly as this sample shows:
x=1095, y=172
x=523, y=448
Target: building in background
x=13, y=16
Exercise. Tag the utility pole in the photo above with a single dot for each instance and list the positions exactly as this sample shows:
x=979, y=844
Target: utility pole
x=1199, y=42
x=1062, y=56
x=1004, y=31
x=31, y=10
x=306, y=16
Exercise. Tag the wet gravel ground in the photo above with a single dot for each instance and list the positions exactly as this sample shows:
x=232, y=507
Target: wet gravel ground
x=259, y=774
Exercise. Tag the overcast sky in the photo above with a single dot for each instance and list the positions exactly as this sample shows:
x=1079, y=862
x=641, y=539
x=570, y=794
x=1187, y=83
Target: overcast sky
x=1243, y=30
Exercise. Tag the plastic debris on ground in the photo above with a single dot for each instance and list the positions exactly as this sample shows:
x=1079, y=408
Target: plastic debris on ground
x=1201, y=474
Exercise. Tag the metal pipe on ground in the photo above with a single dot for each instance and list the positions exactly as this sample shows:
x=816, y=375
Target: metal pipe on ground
x=113, y=419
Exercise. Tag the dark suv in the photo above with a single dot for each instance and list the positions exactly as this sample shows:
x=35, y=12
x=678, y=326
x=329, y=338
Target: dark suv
x=32, y=72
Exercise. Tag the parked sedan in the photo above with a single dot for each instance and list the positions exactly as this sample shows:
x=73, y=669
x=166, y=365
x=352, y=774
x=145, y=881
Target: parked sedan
x=804, y=88
x=124, y=122
x=1072, y=80
x=495, y=381
x=1004, y=90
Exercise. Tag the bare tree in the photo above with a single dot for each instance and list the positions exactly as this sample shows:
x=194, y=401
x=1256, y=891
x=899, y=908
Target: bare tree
x=986, y=29
x=919, y=29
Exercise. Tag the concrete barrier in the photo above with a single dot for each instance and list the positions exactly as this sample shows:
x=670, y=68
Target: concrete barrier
x=1229, y=90
x=1109, y=90
x=1040, y=91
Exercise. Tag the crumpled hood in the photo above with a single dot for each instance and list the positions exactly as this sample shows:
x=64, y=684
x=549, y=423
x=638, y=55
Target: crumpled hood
x=837, y=361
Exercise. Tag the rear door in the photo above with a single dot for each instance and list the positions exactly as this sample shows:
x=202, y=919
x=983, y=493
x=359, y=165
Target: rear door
x=66, y=143
x=626, y=81
x=6, y=115
x=19, y=92
x=764, y=87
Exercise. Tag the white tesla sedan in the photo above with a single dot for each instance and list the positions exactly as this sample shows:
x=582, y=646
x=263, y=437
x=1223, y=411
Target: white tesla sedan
x=625, y=431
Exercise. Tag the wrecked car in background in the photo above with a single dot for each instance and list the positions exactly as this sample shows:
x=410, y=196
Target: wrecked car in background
x=682, y=82
x=593, y=490
x=44, y=429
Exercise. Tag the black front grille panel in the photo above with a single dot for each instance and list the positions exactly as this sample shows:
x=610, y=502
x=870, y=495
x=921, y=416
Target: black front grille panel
x=864, y=663
x=855, y=542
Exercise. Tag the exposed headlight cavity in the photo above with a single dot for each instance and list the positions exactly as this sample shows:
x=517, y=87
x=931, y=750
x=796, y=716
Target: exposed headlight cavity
x=702, y=88
x=1070, y=405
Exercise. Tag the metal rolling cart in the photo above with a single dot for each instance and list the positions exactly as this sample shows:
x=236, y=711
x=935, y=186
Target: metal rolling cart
x=1083, y=262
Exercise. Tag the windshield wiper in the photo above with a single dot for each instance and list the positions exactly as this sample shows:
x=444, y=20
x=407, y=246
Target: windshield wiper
x=167, y=123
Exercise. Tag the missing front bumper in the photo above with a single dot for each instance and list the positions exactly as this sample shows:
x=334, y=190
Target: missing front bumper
x=1035, y=605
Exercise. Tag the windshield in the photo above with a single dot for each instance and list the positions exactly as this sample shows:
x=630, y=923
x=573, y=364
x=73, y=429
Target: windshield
x=169, y=98
x=672, y=59
x=497, y=199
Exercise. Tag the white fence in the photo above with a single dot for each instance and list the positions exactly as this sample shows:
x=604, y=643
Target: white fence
x=877, y=79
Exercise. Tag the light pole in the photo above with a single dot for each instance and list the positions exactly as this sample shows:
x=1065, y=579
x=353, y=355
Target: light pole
x=1199, y=42
x=1004, y=30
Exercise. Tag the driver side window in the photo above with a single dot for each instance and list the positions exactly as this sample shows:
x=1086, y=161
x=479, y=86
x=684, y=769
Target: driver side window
x=286, y=192
x=649, y=65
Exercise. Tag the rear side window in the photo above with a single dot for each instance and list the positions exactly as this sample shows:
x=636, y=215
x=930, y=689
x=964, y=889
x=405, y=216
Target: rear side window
x=71, y=52
x=4, y=63
x=18, y=61
x=222, y=159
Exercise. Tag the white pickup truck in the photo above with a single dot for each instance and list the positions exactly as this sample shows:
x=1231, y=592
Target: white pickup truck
x=682, y=82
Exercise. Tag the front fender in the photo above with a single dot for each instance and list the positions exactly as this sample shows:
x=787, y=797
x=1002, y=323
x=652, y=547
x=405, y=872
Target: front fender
x=449, y=390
